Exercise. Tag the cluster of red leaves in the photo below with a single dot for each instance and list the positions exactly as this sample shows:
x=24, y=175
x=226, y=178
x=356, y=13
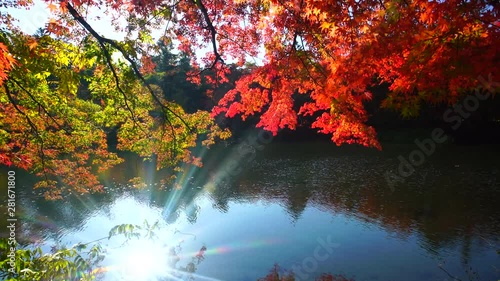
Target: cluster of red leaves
x=6, y=62
x=147, y=65
x=74, y=169
x=334, y=51
x=14, y=139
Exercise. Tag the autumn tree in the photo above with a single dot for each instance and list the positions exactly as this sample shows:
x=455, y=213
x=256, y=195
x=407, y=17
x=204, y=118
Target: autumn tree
x=330, y=52
x=51, y=128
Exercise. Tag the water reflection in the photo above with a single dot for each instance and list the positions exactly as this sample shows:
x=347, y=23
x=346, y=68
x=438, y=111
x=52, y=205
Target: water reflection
x=440, y=201
x=450, y=203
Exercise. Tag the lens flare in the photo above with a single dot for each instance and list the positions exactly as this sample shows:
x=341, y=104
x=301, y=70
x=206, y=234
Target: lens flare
x=141, y=260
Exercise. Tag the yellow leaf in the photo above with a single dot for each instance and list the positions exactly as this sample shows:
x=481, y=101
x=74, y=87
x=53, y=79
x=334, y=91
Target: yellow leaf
x=325, y=25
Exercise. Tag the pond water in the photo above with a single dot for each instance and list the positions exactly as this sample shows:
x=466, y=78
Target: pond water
x=310, y=207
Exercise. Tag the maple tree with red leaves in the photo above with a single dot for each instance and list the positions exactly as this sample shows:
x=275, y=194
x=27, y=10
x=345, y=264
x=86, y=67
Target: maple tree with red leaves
x=331, y=52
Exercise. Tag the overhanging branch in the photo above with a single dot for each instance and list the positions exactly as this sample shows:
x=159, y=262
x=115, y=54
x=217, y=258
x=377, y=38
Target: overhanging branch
x=33, y=127
x=40, y=105
x=102, y=42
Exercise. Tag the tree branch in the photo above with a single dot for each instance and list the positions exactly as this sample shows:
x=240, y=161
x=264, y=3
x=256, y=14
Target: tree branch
x=107, y=55
x=451, y=276
x=39, y=104
x=102, y=42
x=32, y=125
x=212, y=30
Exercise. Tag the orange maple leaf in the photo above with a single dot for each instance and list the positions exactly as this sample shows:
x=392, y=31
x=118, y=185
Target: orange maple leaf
x=52, y=7
x=32, y=44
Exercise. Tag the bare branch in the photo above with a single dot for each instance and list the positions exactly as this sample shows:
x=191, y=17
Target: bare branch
x=211, y=28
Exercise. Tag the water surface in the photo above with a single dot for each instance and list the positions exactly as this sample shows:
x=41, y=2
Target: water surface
x=284, y=205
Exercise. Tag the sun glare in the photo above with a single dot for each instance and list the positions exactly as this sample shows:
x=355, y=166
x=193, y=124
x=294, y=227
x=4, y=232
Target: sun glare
x=142, y=260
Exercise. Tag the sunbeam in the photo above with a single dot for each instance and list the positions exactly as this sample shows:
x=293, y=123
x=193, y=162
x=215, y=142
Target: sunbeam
x=140, y=260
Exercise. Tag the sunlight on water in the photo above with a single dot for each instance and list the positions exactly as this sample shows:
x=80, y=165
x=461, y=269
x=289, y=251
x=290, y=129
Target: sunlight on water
x=140, y=260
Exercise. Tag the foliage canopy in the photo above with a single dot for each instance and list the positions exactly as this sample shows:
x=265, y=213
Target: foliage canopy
x=62, y=89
